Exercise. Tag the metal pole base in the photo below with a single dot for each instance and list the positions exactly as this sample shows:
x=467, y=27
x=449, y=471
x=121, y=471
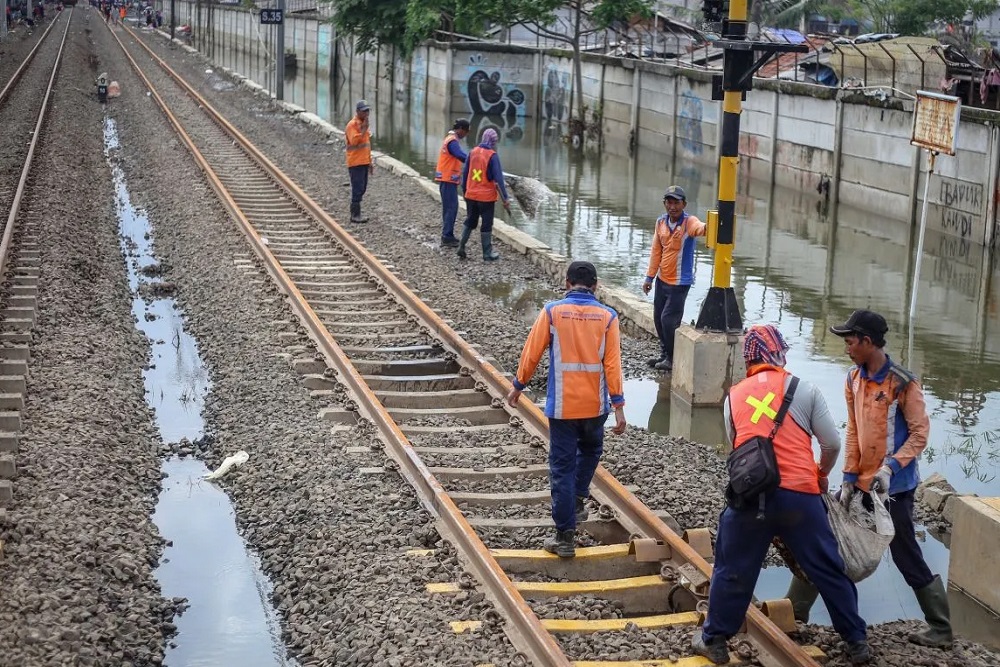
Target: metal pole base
x=720, y=312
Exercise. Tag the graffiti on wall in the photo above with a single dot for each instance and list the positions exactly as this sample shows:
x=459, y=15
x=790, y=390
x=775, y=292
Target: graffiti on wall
x=555, y=95
x=494, y=102
x=962, y=207
x=689, y=115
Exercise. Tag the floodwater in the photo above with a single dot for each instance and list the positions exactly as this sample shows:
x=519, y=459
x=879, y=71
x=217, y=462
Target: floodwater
x=230, y=620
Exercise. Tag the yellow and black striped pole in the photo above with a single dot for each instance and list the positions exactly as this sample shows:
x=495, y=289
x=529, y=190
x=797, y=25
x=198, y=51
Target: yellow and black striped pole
x=720, y=311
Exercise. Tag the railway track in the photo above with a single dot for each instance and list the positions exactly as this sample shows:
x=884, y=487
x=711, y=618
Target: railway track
x=23, y=111
x=400, y=362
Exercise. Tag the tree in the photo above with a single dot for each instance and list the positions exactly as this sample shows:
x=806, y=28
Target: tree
x=913, y=17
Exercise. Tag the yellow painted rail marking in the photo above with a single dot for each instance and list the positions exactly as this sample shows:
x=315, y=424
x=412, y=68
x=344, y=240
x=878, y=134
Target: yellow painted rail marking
x=443, y=587
x=421, y=553
x=460, y=627
x=608, y=624
x=690, y=661
x=604, y=551
x=567, y=587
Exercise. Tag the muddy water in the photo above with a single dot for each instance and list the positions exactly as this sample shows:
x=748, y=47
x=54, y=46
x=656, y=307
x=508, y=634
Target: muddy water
x=230, y=620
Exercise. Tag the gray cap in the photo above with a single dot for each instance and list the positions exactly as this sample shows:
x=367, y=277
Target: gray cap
x=362, y=106
x=675, y=192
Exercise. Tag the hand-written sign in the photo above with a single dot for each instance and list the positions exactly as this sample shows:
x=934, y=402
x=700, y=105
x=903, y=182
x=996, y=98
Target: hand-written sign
x=935, y=122
x=271, y=16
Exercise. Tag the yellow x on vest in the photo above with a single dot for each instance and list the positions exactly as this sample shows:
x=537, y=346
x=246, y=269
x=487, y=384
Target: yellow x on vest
x=762, y=407
x=477, y=175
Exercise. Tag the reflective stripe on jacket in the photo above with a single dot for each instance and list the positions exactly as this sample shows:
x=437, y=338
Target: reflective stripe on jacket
x=478, y=186
x=359, y=145
x=887, y=422
x=449, y=167
x=585, y=372
x=672, y=253
x=754, y=404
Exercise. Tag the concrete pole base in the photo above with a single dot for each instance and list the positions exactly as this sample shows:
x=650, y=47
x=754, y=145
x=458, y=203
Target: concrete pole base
x=706, y=364
x=975, y=542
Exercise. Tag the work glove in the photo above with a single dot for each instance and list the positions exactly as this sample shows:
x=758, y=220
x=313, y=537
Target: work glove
x=846, y=493
x=882, y=478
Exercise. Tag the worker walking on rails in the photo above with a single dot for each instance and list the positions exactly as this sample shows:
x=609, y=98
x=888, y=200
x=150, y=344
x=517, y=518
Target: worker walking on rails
x=585, y=382
x=451, y=159
x=359, y=157
x=755, y=412
x=887, y=429
x=482, y=179
x=671, y=265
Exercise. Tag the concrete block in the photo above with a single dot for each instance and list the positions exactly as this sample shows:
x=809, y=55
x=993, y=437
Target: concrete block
x=975, y=542
x=631, y=307
x=6, y=492
x=935, y=498
x=705, y=365
x=9, y=442
x=948, y=510
x=516, y=239
x=8, y=468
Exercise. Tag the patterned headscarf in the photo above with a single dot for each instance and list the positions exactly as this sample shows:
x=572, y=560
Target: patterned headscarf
x=490, y=138
x=764, y=344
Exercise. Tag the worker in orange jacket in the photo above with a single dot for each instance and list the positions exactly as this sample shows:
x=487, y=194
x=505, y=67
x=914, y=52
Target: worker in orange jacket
x=359, y=157
x=585, y=381
x=887, y=430
x=448, y=174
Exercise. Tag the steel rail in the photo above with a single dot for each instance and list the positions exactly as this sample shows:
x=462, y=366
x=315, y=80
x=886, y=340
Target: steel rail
x=776, y=649
x=15, y=206
x=540, y=644
x=27, y=60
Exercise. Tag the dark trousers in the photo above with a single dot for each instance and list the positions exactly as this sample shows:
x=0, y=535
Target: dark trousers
x=477, y=210
x=668, y=312
x=905, y=550
x=741, y=545
x=449, y=209
x=575, y=447
x=359, y=182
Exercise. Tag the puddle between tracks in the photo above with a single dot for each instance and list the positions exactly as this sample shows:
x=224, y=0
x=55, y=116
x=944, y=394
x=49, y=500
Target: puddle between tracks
x=230, y=620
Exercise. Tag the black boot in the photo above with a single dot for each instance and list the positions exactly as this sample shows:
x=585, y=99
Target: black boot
x=859, y=652
x=802, y=595
x=356, y=212
x=717, y=651
x=562, y=544
x=933, y=599
x=466, y=233
x=582, y=513
x=489, y=254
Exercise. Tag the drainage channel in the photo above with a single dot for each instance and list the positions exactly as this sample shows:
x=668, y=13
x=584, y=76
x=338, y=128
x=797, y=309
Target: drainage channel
x=229, y=619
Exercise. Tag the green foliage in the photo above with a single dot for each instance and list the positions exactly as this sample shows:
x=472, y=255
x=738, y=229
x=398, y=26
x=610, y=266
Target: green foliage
x=913, y=17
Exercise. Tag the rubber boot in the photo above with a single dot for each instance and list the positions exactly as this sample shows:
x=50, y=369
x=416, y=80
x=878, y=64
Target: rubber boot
x=717, y=651
x=466, y=233
x=933, y=599
x=356, y=212
x=562, y=544
x=489, y=254
x=802, y=595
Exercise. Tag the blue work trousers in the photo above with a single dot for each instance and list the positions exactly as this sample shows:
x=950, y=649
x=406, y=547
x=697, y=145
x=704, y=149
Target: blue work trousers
x=800, y=520
x=477, y=210
x=449, y=209
x=668, y=312
x=575, y=447
x=359, y=182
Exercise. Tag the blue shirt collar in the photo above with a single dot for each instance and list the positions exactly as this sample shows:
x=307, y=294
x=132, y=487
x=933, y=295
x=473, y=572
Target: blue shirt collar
x=580, y=295
x=673, y=227
x=881, y=374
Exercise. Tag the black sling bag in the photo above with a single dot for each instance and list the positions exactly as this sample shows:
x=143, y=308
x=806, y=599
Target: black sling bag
x=753, y=467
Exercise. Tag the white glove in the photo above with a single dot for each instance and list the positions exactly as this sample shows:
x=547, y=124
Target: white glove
x=882, y=478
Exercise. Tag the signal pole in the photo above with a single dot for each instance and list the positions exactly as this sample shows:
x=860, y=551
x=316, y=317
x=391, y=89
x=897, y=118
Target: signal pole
x=741, y=59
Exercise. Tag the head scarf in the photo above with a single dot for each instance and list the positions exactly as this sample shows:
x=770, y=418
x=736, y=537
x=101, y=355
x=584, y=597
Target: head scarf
x=490, y=138
x=764, y=344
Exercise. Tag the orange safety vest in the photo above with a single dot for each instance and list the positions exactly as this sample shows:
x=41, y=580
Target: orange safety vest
x=478, y=186
x=359, y=146
x=753, y=404
x=449, y=167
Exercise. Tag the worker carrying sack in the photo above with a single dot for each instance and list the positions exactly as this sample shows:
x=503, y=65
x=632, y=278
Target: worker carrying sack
x=862, y=535
x=753, y=467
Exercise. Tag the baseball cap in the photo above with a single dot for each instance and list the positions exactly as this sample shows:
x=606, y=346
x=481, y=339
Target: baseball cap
x=864, y=323
x=582, y=273
x=462, y=124
x=675, y=192
x=362, y=106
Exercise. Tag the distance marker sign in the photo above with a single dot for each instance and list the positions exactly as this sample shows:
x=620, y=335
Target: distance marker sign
x=272, y=16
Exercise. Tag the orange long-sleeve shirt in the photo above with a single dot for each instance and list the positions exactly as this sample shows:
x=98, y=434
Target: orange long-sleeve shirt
x=584, y=344
x=672, y=254
x=359, y=144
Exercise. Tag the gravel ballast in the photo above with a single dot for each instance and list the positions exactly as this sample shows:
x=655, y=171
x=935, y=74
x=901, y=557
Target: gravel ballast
x=79, y=546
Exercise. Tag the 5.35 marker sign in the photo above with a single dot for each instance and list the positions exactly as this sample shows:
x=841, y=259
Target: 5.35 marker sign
x=272, y=16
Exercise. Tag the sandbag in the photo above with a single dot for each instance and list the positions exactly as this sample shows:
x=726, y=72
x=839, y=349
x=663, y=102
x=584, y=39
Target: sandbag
x=862, y=536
